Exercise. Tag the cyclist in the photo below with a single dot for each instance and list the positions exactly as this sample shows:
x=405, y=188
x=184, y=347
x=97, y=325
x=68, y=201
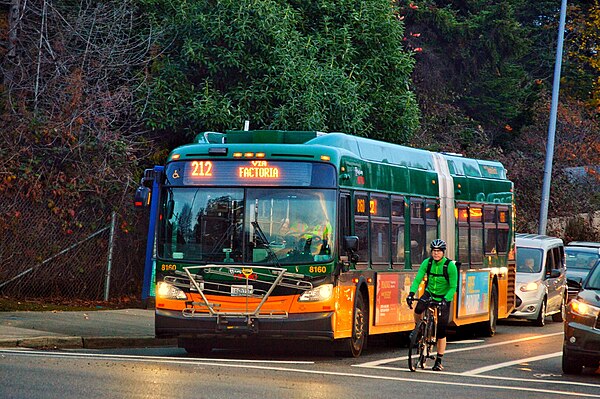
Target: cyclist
x=440, y=286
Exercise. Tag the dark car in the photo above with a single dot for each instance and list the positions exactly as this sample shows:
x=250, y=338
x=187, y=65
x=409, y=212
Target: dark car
x=581, y=346
x=580, y=256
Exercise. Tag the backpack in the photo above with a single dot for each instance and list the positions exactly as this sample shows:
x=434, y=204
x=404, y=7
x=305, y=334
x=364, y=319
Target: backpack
x=445, y=272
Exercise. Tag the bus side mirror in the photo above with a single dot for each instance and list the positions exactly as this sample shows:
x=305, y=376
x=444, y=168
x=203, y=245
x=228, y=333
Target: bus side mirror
x=351, y=243
x=142, y=197
x=351, y=246
x=148, y=178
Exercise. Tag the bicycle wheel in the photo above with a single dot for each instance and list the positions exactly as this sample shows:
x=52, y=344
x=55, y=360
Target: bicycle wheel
x=429, y=340
x=416, y=350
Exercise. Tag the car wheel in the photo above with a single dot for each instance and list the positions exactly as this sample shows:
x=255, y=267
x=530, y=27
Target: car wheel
x=541, y=319
x=562, y=313
x=570, y=365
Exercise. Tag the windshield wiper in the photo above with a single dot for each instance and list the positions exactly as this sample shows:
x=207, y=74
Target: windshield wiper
x=259, y=233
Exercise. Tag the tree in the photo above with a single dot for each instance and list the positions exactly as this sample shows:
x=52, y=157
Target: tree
x=583, y=47
x=330, y=65
x=70, y=123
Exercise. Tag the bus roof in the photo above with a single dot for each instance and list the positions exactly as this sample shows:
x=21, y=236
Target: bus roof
x=349, y=145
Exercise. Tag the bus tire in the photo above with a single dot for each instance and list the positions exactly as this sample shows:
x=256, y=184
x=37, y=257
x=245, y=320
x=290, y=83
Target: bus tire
x=353, y=346
x=488, y=328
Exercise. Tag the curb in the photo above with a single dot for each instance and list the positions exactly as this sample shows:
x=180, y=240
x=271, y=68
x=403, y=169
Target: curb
x=70, y=342
x=126, y=342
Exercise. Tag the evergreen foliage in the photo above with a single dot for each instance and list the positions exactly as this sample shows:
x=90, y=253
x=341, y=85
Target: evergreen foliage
x=335, y=65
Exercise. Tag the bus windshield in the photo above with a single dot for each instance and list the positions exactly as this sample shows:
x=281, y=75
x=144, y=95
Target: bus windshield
x=236, y=225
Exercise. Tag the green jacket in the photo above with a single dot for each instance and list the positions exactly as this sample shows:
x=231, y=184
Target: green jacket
x=438, y=286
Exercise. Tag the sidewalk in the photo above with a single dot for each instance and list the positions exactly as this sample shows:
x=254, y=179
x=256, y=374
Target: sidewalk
x=95, y=329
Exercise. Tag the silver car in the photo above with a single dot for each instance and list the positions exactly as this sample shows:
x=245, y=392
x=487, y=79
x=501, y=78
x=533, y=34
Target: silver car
x=541, y=278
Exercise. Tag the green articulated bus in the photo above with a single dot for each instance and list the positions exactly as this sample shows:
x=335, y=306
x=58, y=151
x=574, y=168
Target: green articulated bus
x=308, y=235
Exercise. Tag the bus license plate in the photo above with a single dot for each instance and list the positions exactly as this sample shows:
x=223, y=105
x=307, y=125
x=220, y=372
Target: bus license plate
x=241, y=290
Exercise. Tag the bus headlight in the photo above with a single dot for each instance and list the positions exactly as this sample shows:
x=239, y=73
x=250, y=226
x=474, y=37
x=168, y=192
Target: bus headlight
x=533, y=286
x=169, y=291
x=320, y=293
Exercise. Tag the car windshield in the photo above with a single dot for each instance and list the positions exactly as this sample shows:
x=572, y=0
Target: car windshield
x=529, y=260
x=579, y=259
x=235, y=225
x=593, y=281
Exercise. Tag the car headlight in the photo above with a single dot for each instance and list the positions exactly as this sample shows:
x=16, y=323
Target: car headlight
x=584, y=309
x=533, y=286
x=169, y=291
x=320, y=293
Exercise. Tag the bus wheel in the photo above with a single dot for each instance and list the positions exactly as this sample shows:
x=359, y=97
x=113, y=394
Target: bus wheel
x=489, y=327
x=354, y=345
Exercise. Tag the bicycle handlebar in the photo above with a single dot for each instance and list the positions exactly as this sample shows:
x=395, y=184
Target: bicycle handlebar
x=430, y=302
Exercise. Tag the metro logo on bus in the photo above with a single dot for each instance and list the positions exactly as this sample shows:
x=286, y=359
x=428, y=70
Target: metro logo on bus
x=258, y=170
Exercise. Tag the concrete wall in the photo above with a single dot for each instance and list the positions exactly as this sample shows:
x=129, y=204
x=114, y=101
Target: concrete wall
x=556, y=226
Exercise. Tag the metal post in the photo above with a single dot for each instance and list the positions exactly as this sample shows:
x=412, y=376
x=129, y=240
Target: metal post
x=151, y=232
x=552, y=126
x=111, y=242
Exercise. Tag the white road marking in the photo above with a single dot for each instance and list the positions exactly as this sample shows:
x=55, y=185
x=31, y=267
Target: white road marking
x=466, y=341
x=490, y=377
x=211, y=362
x=158, y=358
x=470, y=348
x=511, y=363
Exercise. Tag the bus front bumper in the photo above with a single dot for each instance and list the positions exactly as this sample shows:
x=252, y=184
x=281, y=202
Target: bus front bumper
x=171, y=323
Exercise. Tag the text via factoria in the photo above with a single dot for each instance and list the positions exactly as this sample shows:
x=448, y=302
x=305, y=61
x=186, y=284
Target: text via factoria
x=258, y=169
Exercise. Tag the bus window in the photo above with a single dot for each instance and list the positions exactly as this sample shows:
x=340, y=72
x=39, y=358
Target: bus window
x=503, y=227
x=201, y=223
x=398, y=231
x=298, y=225
x=361, y=228
x=380, y=229
x=431, y=221
x=476, y=228
x=344, y=216
x=463, y=234
x=490, y=230
x=417, y=231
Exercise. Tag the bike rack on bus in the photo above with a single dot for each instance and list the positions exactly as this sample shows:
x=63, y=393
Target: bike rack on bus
x=269, y=276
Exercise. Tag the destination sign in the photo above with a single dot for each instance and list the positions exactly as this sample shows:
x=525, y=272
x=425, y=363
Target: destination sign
x=250, y=172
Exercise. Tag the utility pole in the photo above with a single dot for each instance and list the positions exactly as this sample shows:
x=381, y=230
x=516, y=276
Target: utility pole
x=552, y=125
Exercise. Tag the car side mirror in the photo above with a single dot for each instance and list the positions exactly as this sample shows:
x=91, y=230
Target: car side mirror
x=574, y=283
x=554, y=273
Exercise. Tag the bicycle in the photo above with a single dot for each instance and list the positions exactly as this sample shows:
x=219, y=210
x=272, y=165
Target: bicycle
x=423, y=337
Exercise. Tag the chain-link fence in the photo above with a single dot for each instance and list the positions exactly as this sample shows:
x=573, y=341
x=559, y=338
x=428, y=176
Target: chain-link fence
x=43, y=257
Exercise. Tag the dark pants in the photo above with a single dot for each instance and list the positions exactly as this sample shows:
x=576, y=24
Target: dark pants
x=442, y=319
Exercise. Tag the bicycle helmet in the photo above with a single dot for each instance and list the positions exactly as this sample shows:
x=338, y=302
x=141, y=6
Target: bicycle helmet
x=438, y=244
